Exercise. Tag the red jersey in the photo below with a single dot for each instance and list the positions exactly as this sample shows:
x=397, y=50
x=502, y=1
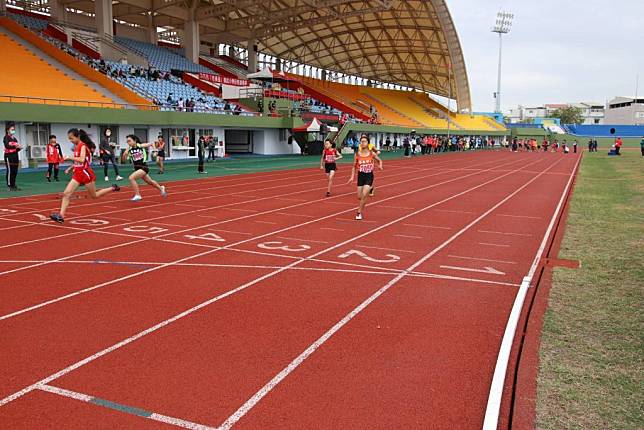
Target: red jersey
x=53, y=154
x=82, y=165
x=365, y=163
x=329, y=155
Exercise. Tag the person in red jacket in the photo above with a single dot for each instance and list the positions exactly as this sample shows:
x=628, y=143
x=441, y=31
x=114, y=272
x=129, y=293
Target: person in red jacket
x=54, y=157
x=618, y=145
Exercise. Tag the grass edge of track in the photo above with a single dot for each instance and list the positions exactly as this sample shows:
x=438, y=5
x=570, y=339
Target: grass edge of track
x=590, y=352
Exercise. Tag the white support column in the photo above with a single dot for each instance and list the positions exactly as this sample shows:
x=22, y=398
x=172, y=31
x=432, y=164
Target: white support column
x=104, y=19
x=56, y=10
x=152, y=29
x=191, y=38
x=252, y=56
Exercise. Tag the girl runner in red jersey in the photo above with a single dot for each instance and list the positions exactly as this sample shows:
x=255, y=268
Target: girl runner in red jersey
x=364, y=164
x=328, y=162
x=83, y=173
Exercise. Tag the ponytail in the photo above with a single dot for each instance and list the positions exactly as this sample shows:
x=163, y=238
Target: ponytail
x=83, y=137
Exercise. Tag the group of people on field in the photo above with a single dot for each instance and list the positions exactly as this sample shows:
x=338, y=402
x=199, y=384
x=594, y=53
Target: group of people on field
x=532, y=145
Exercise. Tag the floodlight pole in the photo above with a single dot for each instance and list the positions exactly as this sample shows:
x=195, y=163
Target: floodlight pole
x=497, y=107
x=502, y=26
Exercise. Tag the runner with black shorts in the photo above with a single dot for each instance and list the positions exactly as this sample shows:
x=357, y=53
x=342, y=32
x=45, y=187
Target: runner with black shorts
x=329, y=156
x=364, y=164
x=138, y=153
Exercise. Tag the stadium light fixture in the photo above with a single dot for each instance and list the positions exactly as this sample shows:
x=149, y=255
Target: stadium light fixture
x=502, y=26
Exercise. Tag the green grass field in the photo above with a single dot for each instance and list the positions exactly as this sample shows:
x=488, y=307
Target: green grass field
x=591, y=372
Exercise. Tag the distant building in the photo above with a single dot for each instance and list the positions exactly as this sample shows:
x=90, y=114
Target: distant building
x=625, y=111
x=591, y=113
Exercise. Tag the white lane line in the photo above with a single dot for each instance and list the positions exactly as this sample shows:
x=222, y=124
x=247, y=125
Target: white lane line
x=519, y=216
x=385, y=249
x=459, y=278
x=494, y=244
x=354, y=221
x=265, y=222
x=242, y=210
x=230, y=231
x=408, y=237
x=177, y=422
x=181, y=315
x=270, y=385
x=331, y=229
x=170, y=225
x=493, y=407
x=483, y=259
x=490, y=270
x=505, y=233
x=301, y=240
x=190, y=205
x=300, y=215
x=398, y=207
x=453, y=211
x=289, y=199
x=428, y=226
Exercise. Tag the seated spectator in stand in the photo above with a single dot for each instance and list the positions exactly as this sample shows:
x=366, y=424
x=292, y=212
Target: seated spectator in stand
x=238, y=110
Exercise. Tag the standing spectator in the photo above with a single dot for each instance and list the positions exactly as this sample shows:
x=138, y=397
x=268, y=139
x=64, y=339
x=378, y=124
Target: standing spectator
x=54, y=157
x=211, y=148
x=160, y=147
x=618, y=145
x=574, y=146
x=106, y=151
x=11, y=158
x=642, y=146
x=590, y=145
x=201, y=143
x=595, y=145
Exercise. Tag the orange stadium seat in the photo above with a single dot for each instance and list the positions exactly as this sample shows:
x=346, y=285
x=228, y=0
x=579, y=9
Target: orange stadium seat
x=34, y=77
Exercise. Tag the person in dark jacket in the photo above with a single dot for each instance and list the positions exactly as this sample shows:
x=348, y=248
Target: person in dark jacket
x=11, y=158
x=106, y=149
x=201, y=148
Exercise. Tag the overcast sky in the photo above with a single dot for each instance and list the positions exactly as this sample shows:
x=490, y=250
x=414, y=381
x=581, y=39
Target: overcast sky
x=557, y=51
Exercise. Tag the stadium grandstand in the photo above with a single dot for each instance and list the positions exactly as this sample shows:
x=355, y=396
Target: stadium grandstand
x=245, y=72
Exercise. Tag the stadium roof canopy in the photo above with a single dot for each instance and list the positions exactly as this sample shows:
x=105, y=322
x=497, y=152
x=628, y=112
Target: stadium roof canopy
x=406, y=42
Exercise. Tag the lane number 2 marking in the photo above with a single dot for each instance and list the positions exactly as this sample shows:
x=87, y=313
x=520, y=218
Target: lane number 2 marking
x=392, y=257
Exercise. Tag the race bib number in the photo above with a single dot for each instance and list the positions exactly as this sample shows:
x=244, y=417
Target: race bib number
x=365, y=168
x=330, y=159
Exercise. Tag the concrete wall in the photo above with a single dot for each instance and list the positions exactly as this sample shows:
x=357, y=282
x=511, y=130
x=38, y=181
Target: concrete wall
x=267, y=142
x=629, y=115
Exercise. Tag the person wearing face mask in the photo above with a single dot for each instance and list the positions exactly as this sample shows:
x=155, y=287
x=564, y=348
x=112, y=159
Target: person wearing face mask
x=106, y=149
x=11, y=159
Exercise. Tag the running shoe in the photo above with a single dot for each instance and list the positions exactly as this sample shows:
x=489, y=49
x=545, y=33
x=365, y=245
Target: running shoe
x=116, y=188
x=107, y=179
x=48, y=179
x=57, y=217
x=359, y=216
x=328, y=194
x=119, y=178
x=372, y=191
x=136, y=198
x=163, y=192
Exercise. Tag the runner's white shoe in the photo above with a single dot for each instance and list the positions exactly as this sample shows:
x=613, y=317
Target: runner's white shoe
x=163, y=192
x=359, y=216
x=136, y=198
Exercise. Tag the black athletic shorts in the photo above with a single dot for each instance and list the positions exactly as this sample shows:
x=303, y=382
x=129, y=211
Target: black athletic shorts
x=330, y=166
x=365, y=179
x=161, y=153
x=145, y=168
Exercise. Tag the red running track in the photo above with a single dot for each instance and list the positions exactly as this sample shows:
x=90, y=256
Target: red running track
x=227, y=306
